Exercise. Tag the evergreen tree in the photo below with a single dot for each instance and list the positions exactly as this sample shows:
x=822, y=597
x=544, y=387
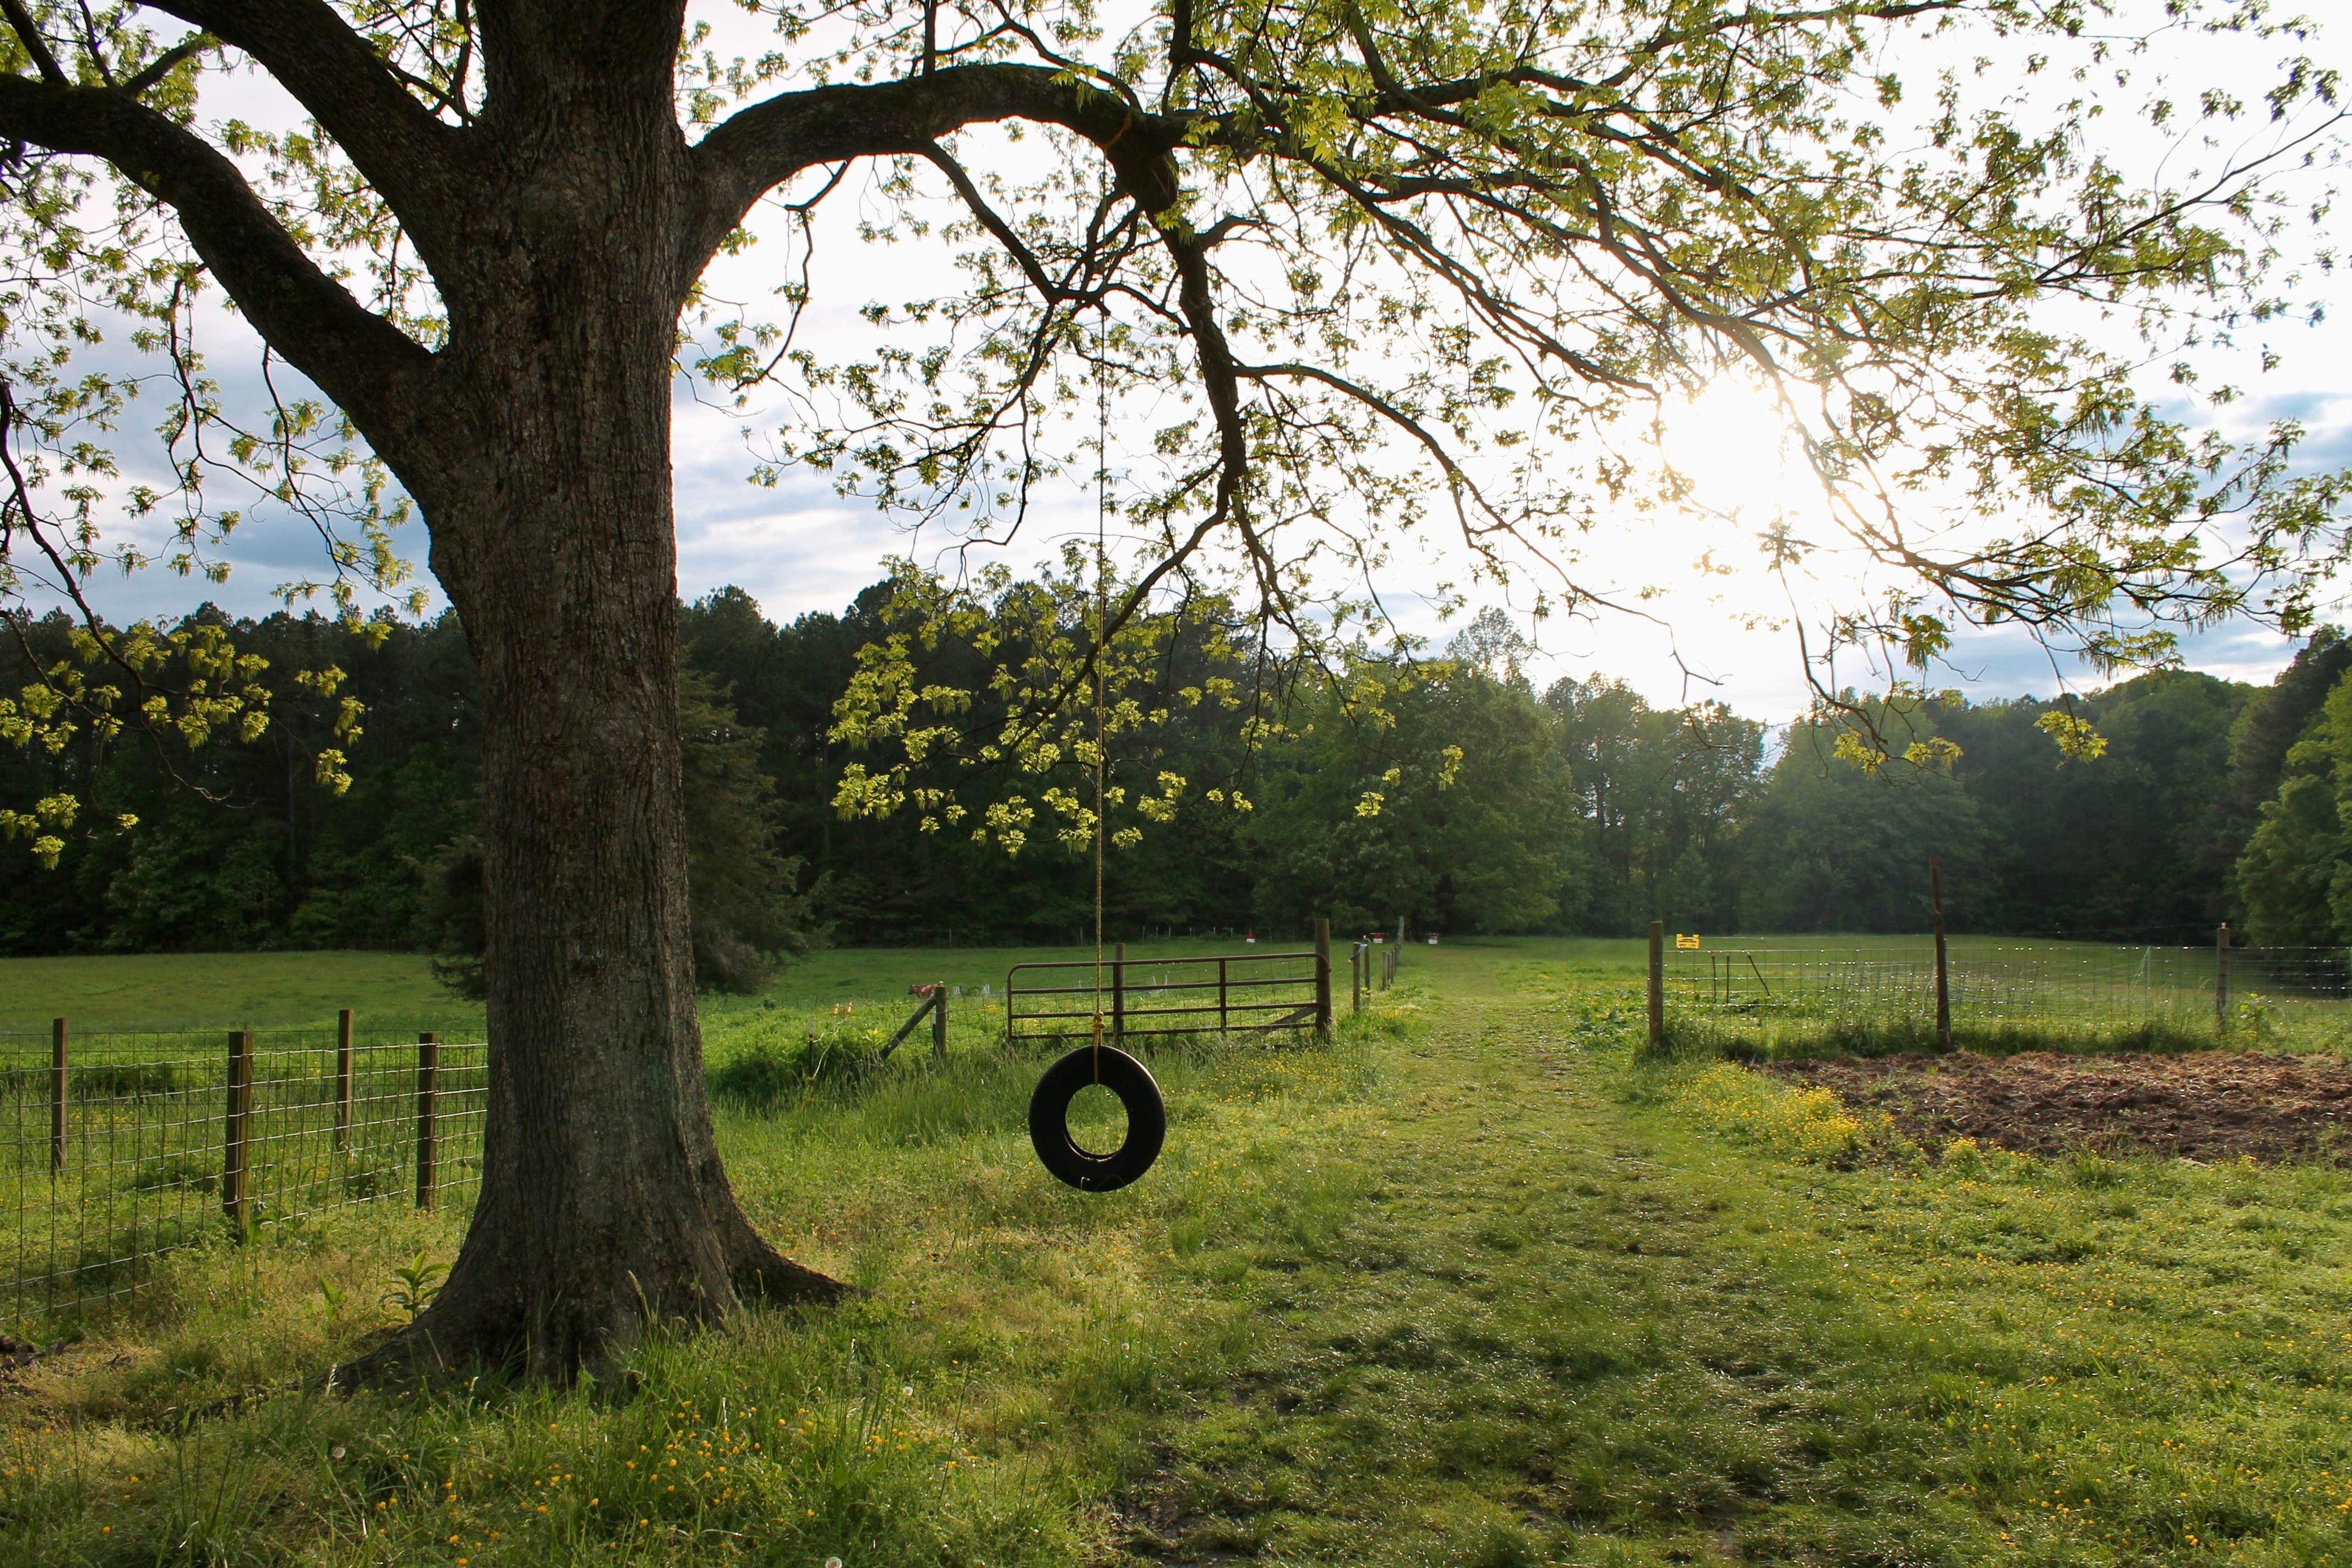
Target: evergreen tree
x=2295, y=876
x=2274, y=719
x=746, y=912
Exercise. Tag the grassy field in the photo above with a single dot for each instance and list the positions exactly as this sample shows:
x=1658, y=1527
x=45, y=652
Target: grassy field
x=290, y=990
x=224, y=990
x=1473, y=1286
x=285, y=990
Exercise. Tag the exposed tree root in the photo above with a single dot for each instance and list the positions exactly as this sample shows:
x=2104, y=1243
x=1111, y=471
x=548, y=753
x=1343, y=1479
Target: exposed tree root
x=454, y=1340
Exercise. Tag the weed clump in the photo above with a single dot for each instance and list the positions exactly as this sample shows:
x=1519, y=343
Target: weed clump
x=123, y=1081
x=1701, y=1035
x=1810, y=1126
x=768, y=1074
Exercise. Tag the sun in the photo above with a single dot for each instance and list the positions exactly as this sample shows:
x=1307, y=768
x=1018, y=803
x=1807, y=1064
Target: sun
x=1739, y=455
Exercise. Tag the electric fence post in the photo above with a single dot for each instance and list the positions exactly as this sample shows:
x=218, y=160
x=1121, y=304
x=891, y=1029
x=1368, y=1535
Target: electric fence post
x=2221, y=979
x=1943, y=965
x=1657, y=983
x=1323, y=976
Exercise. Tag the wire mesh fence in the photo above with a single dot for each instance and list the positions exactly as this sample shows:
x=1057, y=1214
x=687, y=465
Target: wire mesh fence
x=118, y=1148
x=2306, y=990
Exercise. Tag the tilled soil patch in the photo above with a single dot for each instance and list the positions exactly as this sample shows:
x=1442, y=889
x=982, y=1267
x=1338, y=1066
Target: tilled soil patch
x=2206, y=1105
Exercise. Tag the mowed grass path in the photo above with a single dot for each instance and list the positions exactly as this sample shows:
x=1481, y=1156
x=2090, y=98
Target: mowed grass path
x=1470, y=1288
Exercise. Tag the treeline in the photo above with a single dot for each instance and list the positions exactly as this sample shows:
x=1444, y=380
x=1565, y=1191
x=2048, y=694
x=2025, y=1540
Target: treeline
x=1464, y=800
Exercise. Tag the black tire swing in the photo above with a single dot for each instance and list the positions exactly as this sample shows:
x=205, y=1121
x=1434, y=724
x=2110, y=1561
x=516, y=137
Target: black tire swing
x=1049, y=1108
x=1049, y=1118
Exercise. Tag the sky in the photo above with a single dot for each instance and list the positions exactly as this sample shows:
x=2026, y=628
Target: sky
x=1723, y=632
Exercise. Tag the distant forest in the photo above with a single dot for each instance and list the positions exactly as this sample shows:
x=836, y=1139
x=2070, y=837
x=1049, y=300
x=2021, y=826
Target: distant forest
x=1577, y=808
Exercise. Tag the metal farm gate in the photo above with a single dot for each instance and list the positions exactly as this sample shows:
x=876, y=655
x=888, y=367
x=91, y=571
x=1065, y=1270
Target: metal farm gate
x=1230, y=993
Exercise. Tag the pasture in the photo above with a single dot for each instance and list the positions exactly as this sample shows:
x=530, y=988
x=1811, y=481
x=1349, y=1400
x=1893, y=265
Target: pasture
x=293, y=990
x=1478, y=1284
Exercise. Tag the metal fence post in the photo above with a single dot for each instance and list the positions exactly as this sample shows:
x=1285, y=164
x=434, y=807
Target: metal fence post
x=1224, y=1017
x=1657, y=982
x=428, y=1088
x=1943, y=967
x=2221, y=978
x=342, y=1079
x=1322, y=974
x=236, y=1129
x=940, y=1021
x=57, y=1081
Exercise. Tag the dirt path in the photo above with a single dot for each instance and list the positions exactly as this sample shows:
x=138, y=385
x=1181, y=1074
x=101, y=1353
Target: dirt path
x=2207, y=1105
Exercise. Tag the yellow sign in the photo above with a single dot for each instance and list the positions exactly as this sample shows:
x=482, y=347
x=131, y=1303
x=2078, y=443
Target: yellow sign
x=1686, y=943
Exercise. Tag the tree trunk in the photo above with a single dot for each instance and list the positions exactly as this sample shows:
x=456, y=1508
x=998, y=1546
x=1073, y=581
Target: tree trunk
x=604, y=1205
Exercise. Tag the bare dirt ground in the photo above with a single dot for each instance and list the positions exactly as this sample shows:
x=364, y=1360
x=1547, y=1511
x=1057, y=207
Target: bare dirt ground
x=2206, y=1105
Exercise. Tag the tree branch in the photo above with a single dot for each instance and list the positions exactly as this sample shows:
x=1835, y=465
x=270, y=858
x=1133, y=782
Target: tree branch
x=761, y=146
x=171, y=60
x=370, y=367
x=409, y=156
x=994, y=223
x=29, y=33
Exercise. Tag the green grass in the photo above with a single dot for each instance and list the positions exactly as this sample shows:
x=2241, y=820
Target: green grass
x=1474, y=1287
x=223, y=990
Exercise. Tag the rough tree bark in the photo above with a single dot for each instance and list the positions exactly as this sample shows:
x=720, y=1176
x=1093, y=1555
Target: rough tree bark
x=547, y=494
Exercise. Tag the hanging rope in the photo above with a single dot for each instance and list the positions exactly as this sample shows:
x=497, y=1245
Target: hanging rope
x=1130, y=1079
x=1102, y=619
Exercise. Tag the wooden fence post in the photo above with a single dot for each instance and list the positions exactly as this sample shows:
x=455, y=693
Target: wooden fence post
x=934, y=1001
x=940, y=1021
x=342, y=1079
x=1358, y=956
x=1224, y=1022
x=1943, y=967
x=428, y=1090
x=57, y=1081
x=2221, y=978
x=236, y=1128
x=1117, y=991
x=1657, y=982
x=1322, y=975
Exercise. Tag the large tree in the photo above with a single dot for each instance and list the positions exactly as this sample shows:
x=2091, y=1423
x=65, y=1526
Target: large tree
x=1378, y=262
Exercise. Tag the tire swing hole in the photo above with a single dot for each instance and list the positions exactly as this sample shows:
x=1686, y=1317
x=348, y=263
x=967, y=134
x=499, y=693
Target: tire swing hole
x=1049, y=1118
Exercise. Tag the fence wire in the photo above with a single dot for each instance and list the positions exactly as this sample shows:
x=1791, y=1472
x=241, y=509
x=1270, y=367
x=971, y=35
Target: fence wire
x=1993, y=986
x=147, y=1143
